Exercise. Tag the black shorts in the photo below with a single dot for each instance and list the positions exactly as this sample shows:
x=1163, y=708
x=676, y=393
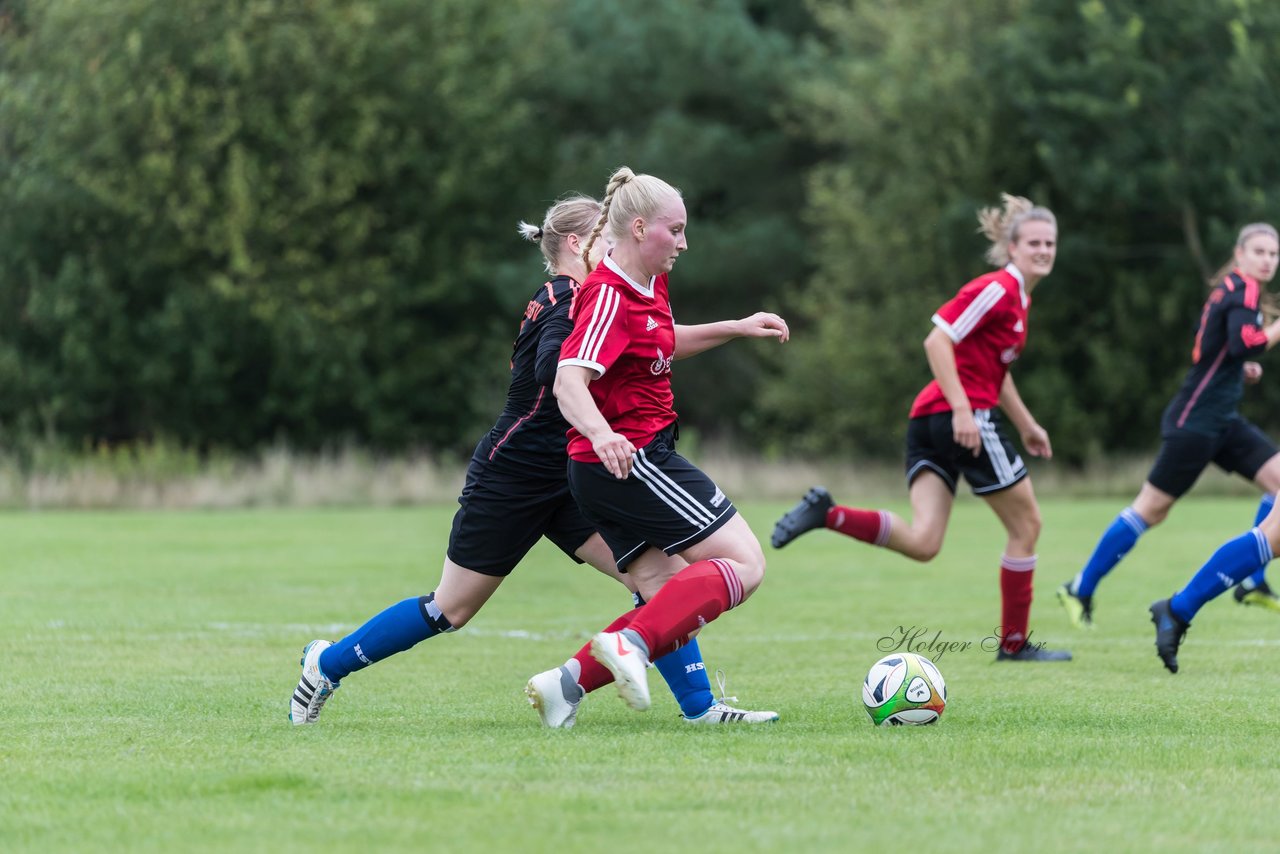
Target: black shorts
x=1240, y=447
x=666, y=502
x=931, y=446
x=503, y=515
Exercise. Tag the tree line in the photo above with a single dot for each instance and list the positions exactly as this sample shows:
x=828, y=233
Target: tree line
x=242, y=222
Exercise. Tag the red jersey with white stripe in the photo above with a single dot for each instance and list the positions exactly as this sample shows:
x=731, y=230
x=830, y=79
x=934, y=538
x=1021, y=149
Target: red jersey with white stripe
x=987, y=322
x=625, y=333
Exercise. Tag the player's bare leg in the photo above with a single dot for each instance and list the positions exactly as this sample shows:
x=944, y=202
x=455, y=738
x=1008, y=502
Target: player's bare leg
x=1020, y=515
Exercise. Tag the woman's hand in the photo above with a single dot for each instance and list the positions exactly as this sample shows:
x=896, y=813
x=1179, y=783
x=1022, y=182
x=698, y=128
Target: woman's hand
x=616, y=452
x=764, y=324
x=1036, y=440
x=965, y=430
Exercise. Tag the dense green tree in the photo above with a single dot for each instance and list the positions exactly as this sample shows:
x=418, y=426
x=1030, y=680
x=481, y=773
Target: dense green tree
x=234, y=221
x=258, y=219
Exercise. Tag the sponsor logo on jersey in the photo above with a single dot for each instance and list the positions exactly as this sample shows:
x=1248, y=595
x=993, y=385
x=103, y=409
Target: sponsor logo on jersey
x=661, y=365
x=649, y=323
x=1009, y=355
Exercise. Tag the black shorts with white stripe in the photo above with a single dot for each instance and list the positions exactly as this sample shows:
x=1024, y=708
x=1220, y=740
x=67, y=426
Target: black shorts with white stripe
x=667, y=502
x=931, y=446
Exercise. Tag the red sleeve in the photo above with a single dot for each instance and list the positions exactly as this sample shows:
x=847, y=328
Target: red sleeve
x=599, y=333
x=969, y=309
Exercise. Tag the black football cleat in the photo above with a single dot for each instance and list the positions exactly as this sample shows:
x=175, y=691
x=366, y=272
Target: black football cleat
x=1033, y=652
x=1169, y=633
x=810, y=513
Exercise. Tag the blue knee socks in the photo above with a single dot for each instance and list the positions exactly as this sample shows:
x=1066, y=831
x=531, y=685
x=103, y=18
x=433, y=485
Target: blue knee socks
x=393, y=630
x=1114, y=545
x=1264, y=508
x=1233, y=561
x=685, y=675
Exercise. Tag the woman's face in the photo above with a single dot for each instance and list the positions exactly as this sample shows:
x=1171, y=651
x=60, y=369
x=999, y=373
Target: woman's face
x=1258, y=257
x=661, y=238
x=1035, y=249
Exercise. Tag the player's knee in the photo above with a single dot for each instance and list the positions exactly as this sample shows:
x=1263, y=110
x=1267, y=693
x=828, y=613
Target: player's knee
x=445, y=616
x=1154, y=516
x=751, y=574
x=926, y=551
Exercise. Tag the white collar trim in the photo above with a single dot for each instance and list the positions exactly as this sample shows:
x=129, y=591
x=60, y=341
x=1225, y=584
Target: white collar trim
x=612, y=265
x=1012, y=270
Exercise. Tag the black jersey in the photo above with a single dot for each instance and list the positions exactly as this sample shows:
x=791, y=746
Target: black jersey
x=530, y=435
x=1230, y=333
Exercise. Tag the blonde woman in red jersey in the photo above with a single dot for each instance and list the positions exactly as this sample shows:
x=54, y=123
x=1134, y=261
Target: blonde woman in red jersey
x=668, y=525
x=956, y=430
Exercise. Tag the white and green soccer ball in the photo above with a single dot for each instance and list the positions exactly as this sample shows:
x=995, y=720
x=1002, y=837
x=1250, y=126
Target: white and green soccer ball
x=904, y=689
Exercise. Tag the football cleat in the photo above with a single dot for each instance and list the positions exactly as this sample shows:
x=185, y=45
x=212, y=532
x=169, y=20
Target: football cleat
x=722, y=713
x=1261, y=595
x=1032, y=652
x=556, y=696
x=809, y=514
x=1169, y=633
x=314, y=689
x=1079, y=608
x=628, y=663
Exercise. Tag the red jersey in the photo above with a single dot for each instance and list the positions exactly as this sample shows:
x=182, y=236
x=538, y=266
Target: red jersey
x=987, y=321
x=624, y=331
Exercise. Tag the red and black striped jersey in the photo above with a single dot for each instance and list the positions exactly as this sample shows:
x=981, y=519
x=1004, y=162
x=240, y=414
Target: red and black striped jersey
x=624, y=332
x=531, y=433
x=1230, y=333
x=987, y=322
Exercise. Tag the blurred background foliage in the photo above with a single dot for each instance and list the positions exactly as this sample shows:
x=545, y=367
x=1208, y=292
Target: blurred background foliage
x=229, y=225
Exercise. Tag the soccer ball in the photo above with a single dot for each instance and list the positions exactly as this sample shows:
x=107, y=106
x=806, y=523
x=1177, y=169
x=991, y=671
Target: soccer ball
x=904, y=688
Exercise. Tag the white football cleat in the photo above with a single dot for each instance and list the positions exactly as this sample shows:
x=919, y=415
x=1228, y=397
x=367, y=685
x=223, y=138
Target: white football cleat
x=628, y=663
x=551, y=696
x=722, y=713
x=313, y=688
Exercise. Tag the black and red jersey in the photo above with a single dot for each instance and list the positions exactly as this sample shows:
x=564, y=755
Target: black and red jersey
x=624, y=332
x=1230, y=333
x=530, y=432
x=987, y=322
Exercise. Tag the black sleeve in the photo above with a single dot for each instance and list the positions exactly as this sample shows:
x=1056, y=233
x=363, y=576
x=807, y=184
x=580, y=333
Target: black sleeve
x=555, y=326
x=1244, y=337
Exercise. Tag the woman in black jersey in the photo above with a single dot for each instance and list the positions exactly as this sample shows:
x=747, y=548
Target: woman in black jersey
x=516, y=492
x=1201, y=425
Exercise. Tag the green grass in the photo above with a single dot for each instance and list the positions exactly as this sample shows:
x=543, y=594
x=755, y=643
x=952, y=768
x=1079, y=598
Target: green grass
x=149, y=658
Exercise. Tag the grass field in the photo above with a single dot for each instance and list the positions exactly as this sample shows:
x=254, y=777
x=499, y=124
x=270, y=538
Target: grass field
x=150, y=656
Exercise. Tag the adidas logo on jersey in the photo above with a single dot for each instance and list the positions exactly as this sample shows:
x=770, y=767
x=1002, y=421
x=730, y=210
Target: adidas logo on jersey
x=650, y=324
x=1017, y=327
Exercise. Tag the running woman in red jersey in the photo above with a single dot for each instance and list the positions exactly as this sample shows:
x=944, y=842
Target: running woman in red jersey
x=516, y=492
x=1202, y=424
x=955, y=428
x=667, y=524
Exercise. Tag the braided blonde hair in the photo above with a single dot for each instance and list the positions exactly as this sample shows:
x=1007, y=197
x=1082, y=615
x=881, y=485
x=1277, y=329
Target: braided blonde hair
x=1000, y=225
x=626, y=197
x=573, y=215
